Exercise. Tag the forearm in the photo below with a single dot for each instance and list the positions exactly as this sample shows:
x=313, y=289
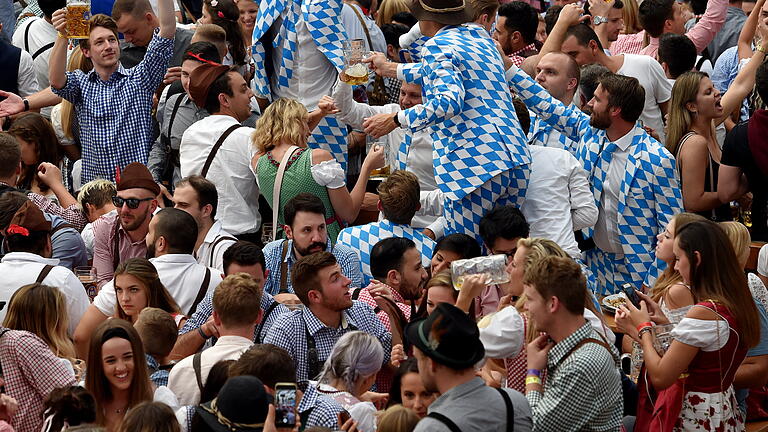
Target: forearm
x=167, y=18
x=704, y=201
x=314, y=118
x=747, y=34
x=187, y=345
x=555, y=39
x=752, y=373
x=57, y=63
x=705, y=30
x=63, y=195
x=43, y=98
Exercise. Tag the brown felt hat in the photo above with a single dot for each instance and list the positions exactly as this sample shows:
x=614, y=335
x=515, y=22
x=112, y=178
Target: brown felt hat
x=137, y=175
x=447, y=12
x=200, y=81
x=28, y=218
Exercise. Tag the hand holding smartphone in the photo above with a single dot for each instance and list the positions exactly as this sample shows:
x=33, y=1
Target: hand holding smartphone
x=629, y=291
x=285, y=405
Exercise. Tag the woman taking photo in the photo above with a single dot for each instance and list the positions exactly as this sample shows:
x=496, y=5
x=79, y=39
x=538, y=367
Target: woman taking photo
x=695, y=109
x=284, y=124
x=349, y=372
x=137, y=286
x=707, y=345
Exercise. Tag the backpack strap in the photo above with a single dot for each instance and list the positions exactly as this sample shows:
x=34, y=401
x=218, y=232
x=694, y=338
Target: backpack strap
x=269, y=310
x=44, y=273
x=356, y=293
x=284, y=269
x=26, y=35
x=42, y=49
x=198, y=372
x=116, y=246
x=444, y=420
x=175, y=109
x=510, y=410
x=216, y=243
x=201, y=292
x=216, y=148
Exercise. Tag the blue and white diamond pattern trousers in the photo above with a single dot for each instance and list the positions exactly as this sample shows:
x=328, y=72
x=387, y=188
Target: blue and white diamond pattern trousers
x=609, y=271
x=507, y=188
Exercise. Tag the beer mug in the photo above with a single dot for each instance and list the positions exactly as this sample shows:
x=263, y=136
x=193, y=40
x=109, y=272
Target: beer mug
x=354, y=68
x=87, y=276
x=78, y=19
x=493, y=266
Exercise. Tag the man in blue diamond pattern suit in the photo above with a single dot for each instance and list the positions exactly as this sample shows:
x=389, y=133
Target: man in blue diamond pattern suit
x=632, y=175
x=480, y=153
x=298, y=53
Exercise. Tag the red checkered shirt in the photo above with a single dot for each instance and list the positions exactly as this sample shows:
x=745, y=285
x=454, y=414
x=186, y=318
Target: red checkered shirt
x=30, y=371
x=519, y=56
x=628, y=44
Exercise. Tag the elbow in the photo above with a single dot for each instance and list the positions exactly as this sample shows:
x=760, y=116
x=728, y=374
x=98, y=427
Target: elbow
x=662, y=382
x=584, y=218
x=727, y=194
x=81, y=338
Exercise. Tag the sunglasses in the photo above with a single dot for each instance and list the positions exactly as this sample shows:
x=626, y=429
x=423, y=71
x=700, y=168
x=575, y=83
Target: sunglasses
x=133, y=203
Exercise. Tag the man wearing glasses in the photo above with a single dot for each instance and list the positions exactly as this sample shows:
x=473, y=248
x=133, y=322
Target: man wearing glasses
x=119, y=237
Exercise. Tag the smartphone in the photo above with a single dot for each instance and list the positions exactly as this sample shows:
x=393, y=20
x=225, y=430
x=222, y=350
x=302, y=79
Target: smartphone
x=631, y=294
x=285, y=404
x=343, y=417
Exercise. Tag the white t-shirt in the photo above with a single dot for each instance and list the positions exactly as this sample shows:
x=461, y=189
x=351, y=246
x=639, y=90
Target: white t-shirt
x=657, y=88
x=37, y=41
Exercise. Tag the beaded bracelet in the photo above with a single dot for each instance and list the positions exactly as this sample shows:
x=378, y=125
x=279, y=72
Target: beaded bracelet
x=645, y=329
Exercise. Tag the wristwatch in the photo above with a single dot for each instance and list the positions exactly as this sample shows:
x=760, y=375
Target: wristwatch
x=396, y=120
x=26, y=104
x=597, y=20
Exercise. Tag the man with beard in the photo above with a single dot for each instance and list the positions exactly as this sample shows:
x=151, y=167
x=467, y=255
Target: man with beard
x=329, y=312
x=632, y=176
x=120, y=236
x=305, y=229
x=170, y=242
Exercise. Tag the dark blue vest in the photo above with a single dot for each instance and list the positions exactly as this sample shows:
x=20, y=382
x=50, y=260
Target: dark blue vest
x=9, y=72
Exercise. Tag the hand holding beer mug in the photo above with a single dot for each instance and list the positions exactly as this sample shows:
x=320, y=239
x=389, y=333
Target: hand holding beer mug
x=355, y=71
x=78, y=19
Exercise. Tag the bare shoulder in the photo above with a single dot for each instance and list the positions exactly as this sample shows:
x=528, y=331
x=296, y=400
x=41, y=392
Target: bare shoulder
x=320, y=155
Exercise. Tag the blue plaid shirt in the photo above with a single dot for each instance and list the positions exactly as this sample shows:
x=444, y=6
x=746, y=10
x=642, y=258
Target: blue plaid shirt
x=323, y=411
x=273, y=251
x=157, y=375
x=290, y=333
x=115, y=116
x=362, y=238
x=205, y=310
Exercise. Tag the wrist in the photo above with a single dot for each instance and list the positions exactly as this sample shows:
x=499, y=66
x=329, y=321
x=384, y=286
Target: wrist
x=202, y=334
x=26, y=104
x=762, y=47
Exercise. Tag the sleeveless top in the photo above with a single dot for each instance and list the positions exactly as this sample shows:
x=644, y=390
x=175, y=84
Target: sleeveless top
x=722, y=212
x=297, y=179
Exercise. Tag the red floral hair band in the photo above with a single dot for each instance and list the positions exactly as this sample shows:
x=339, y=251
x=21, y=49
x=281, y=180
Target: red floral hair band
x=17, y=229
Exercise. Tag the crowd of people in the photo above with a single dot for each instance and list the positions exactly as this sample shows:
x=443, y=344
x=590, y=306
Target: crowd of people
x=530, y=215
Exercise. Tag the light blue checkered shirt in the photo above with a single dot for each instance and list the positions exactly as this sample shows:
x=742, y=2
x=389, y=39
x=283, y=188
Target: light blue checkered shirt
x=115, y=116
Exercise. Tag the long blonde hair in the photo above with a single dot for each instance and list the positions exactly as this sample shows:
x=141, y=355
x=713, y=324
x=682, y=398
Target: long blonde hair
x=680, y=118
x=388, y=8
x=670, y=276
x=283, y=120
x=42, y=310
x=631, y=15
x=739, y=236
x=76, y=61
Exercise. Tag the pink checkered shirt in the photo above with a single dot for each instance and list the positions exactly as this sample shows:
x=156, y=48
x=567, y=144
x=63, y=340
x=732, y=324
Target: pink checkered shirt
x=519, y=56
x=30, y=372
x=629, y=44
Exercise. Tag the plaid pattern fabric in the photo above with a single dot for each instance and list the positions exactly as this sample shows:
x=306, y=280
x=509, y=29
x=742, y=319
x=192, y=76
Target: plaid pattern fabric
x=544, y=134
x=365, y=297
x=362, y=238
x=393, y=89
x=507, y=188
x=629, y=44
x=469, y=110
x=650, y=192
x=72, y=214
x=290, y=333
x=30, y=373
x=609, y=271
x=324, y=411
x=205, y=310
x=115, y=116
x=346, y=257
x=590, y=376
x=519, y=56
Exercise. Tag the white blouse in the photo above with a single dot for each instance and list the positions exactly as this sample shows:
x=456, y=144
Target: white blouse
x=708, y=335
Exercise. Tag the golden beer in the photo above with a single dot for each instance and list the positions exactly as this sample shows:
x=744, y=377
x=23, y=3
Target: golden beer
x=357, y=74
x=78, y=17
x=380, y=173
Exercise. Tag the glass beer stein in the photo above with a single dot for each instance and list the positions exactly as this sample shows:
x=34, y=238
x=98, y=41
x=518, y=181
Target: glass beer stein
x=354, y=68
x=78, y=18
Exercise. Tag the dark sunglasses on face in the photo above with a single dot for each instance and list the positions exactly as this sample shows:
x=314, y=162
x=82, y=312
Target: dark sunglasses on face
x=133, y=203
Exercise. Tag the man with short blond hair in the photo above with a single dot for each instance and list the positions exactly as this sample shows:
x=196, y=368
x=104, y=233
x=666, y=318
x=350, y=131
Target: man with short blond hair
x=236, y=312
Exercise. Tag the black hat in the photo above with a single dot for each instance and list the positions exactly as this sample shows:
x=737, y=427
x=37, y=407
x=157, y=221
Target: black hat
x=447, y=12
x=447, y=336
x=241, y=406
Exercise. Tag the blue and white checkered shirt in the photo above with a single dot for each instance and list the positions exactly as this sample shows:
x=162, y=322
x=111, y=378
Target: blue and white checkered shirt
x=115, y=116
x=323, y=411
x=362, y=238
x=205, y=310
x=158, y=376
x=273, y=251
x=290, y=333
